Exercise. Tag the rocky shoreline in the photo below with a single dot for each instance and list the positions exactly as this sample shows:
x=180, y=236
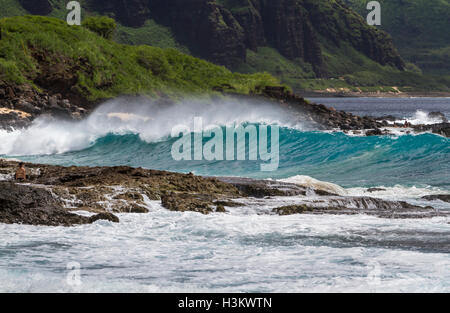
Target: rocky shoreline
x=328, y=118
x=20, y=105
x=377, y=94
x=52, y=194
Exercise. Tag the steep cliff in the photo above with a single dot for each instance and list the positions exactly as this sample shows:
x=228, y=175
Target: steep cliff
x=338, y=23
x=222, y=30
x=308, y=44
x=207, y=28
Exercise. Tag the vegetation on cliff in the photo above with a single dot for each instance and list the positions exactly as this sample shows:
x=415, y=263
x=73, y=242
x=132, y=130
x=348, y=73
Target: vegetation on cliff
x=53, y=56
x=420, y=30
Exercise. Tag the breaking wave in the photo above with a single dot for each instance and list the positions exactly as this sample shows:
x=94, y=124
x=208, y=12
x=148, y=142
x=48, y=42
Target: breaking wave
x=138, y=134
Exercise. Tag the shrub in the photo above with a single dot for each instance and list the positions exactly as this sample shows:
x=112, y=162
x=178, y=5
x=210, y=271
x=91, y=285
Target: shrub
x=410, y=67
x=104, y=26
x=9, y=71
x=154, y=60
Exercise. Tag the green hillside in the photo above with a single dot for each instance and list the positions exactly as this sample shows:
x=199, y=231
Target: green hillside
x=420, y=29
x=38, y=50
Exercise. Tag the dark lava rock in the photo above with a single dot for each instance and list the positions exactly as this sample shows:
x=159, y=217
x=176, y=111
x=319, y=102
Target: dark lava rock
x=389, y=118
x=438, y=115
x=89, y=188
x=263, y=188
x=374, y=132
x=318, y=115
x=228, y=203
x=293, y=209
x=134, y=208
x=445, y=198
x=26, y=103
x=20, y=204
x=361, y=205
x=375, y=189
x=14, y=196
x=104, y=216
x=183, y=202
x=92, y=188
x=442, y=129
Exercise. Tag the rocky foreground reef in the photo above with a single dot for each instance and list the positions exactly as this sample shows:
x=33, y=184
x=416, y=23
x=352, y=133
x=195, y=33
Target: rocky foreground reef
x=52, y=194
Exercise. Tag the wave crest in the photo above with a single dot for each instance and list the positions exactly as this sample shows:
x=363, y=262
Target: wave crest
x=153, y=122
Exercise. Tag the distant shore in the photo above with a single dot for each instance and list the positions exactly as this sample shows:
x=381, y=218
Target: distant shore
x=325, y=94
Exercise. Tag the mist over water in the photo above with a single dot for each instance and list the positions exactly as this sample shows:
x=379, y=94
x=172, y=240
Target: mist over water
x=149, y=120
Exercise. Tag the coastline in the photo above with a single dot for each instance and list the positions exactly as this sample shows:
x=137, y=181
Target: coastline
x=325, y=94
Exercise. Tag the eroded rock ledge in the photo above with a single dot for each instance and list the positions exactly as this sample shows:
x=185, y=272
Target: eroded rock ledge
x=52, y=193
x=21, y=204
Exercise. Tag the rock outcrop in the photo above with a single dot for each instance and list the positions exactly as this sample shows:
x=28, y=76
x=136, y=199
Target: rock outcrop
x=444, y=198
x=442, y=129
x=324, y=117
x=438, y=116
x=21, y=204
x=317, y=201
x=106, y=190
x=184, y=202
x=52, y=193
x=361, y=205
x=20, y=105
x=328, y=118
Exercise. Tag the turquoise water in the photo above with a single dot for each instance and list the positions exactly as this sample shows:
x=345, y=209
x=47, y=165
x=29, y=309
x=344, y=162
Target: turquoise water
x=338, y=158
x=138, y=134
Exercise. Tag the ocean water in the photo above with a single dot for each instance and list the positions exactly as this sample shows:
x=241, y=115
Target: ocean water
x=409, y=108
x=247, y=249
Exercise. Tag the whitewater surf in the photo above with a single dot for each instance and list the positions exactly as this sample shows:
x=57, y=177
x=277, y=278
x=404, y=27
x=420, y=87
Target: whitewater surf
x=248, y=248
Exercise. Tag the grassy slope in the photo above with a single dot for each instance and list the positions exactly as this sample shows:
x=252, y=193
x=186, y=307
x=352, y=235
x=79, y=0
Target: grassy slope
x=105, y=68
x=420, y=29
x=352, y=71
x=150, y=34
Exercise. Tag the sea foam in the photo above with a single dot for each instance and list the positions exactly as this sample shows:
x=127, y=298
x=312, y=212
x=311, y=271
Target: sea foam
x=146, y=118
